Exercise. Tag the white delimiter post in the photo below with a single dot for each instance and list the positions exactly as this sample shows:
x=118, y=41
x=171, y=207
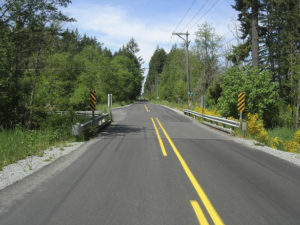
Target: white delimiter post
x=109, y=100
x=241, y=119
x=109, y=104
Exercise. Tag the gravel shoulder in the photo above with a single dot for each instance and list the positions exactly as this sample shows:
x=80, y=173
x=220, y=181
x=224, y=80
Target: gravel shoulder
x=293, y=158
x=23, y=168
x=19, y=178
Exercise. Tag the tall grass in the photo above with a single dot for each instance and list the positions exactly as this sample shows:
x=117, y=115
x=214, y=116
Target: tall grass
x=18, y=143
x=283, y=133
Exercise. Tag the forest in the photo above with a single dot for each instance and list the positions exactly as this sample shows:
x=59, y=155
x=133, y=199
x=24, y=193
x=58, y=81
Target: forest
x=46, y=67
x=264, y=64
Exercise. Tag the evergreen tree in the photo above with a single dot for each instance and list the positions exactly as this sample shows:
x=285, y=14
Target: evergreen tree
x=156, y=65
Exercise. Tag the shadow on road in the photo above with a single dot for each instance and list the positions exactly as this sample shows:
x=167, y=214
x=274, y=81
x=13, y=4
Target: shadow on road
x=120, y=130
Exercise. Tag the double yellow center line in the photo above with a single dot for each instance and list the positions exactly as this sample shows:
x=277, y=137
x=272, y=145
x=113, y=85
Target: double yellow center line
x=147, y=109
x=159, y=139
x=206, y=202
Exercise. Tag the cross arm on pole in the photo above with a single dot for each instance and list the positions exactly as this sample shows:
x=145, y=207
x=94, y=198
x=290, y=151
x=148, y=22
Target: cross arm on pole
x=179, y=35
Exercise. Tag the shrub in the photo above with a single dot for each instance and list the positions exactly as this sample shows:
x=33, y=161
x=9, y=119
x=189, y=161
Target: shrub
x=261, y=94
x=294, y=144
x=256, y=128
x=275, y=142
x=212, y=112
x=286, y=118
x=291, y=146
x=213, y=94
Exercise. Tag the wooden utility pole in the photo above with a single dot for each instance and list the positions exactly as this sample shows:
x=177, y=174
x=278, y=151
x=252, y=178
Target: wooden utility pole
x=187, y=42
x=298, y=106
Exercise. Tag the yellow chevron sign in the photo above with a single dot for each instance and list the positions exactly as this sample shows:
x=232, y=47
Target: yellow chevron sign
x=241, y=101
x=93, y=100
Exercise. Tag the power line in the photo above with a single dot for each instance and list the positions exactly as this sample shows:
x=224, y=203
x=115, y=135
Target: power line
x=196, y=14
x=185, y=15
x=188, y=10
x=204, y=14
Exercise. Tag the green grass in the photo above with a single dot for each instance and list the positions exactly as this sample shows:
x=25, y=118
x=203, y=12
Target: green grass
x=19, y=143
x=178, y=106
x=283, y=133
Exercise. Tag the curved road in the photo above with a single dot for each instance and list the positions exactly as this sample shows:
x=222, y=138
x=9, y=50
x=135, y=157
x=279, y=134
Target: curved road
x=154, y=166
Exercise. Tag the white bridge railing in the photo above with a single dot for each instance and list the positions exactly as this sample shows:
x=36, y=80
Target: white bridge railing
x=215, y=121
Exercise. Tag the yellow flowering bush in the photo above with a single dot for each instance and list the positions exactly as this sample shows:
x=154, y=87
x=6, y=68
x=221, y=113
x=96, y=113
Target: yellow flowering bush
x=291, y=146
x=275, y=142
x=297, y=137
x=256, y=128
x=294, y=144
x=231, y=118
x=207, y=112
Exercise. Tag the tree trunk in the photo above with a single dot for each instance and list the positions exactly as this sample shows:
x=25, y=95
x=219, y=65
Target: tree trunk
x=33, y=87
x=254, y=47
x=297, y=109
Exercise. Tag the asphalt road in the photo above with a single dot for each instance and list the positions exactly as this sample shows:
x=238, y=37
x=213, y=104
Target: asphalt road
x=165, y=171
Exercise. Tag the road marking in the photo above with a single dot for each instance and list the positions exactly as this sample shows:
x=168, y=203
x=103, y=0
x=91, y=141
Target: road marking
x=159, y=139
x=146, y=108
x=206, y=202
x=199, y=213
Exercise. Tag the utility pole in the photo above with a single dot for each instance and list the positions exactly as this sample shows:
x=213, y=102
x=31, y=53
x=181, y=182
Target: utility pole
x=187, y=42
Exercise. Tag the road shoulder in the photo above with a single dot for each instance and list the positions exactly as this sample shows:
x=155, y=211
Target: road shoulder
x=293, y=158
x=25, y=182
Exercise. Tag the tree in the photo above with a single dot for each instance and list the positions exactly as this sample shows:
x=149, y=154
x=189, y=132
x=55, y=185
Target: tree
x=254, y=32
x=28, y=26
x=248, y=16
x=130, y=50
x=156, y=65
x=173, y=72
x=206, y=47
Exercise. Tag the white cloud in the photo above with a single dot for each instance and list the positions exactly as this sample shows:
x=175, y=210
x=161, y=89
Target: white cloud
x=114, y=26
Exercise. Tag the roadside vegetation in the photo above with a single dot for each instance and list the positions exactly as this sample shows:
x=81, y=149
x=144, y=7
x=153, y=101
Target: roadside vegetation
x=46, y=68
x=103, y=107
x=19, y=143
x=175, y=105
x=266, y=68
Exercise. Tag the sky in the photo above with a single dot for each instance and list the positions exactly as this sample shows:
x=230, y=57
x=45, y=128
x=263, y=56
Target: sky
x=149, y=22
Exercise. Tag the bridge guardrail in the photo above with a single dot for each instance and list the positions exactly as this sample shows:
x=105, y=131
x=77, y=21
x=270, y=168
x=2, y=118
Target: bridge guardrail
x=79, y=113
x=98, y=122
x=213, y=119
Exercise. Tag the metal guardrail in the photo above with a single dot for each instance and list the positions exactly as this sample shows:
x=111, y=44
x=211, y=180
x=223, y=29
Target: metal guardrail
x=79, y=113
x=213, y=119
x=98, y=121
